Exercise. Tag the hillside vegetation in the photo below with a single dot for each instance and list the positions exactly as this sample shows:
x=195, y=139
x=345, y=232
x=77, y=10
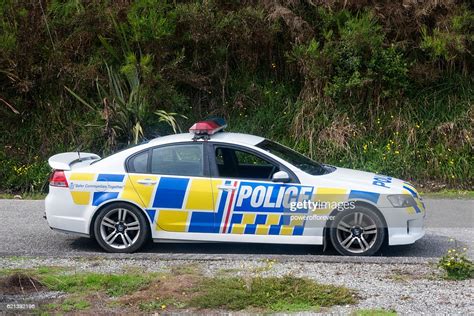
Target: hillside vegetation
x=383, y=86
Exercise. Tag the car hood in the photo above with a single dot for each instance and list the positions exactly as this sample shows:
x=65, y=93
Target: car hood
x=365, y=181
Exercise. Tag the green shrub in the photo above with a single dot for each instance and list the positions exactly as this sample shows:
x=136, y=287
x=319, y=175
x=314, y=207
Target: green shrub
x=151, y=20
x=29, y=177
x=456, y=265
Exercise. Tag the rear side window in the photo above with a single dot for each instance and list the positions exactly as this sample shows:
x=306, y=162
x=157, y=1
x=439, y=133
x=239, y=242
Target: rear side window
x=180, y=160
x=139, y=163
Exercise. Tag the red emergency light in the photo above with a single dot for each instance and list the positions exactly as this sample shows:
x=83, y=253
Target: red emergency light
x=208, y=127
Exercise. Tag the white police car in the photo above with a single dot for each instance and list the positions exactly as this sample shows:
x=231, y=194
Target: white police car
x=211, y=185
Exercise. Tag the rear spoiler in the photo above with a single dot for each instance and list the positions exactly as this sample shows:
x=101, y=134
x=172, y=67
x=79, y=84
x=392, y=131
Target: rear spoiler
x=64, y=161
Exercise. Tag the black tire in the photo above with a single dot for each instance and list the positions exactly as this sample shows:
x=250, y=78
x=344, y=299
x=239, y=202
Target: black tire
x=365, y=233
x=132, y=216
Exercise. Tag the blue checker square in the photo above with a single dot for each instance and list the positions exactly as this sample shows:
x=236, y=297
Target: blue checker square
x=285, y=220
x=298, y=230
x=170, y=193
x=261, y=219
x=236, y=218
x=274, y=230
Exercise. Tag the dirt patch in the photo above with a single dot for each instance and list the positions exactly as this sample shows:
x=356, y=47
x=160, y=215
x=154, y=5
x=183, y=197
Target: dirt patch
x=176, y=287
x=20, y=283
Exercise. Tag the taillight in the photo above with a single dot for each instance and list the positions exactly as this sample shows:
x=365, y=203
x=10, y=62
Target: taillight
x=58, y=179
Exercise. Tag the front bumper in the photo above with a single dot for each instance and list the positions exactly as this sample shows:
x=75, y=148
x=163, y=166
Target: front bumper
x=404, y=226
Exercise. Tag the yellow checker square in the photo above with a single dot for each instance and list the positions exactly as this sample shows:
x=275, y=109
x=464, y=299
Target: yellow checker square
x=238, y=228
x=273, y=219
x=203, y=194
x=262, y=230
x=80, y=176
x=248, y=219
x=286, y=230
x=173, y=221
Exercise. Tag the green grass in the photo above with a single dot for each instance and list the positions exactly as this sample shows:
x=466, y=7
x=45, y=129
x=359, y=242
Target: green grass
x=69, y=305
x=272, y=294
x=449, y=194
x=112, y=284
x=59, y=279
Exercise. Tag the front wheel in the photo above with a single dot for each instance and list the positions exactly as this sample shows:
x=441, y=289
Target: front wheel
x=121, y=228
x=357, y=232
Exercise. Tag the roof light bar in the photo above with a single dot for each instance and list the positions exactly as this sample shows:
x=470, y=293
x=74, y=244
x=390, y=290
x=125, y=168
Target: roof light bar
x=204, y=129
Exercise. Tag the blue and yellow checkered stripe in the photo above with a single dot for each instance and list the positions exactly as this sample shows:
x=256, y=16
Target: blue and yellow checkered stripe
x=266, y=224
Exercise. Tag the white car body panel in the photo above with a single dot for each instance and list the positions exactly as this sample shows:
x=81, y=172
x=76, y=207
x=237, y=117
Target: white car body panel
x=95, y=183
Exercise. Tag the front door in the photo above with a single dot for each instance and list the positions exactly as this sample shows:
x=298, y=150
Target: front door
x=249, y=202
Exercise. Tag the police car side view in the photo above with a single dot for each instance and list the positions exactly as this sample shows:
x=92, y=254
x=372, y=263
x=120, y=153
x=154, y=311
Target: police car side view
x=211, y=185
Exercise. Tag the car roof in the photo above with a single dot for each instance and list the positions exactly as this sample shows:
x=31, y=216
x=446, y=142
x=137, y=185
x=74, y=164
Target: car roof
x=219, y=137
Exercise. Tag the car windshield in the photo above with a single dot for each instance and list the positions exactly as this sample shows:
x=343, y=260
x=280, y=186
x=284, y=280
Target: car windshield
x=296, y=159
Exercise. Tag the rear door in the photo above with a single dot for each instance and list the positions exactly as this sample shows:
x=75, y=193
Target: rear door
x=175, y=188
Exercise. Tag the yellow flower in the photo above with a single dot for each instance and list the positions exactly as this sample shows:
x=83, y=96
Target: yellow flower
x=163, y=306
x=397, y=152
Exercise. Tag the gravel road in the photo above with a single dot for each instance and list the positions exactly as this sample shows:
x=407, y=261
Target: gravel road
x=25, y=233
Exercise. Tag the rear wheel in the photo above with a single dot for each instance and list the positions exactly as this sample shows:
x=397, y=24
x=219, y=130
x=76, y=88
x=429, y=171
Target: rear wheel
x=120, y=227
x=357, y=232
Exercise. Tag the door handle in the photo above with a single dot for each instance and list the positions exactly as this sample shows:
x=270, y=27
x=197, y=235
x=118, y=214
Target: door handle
x=226, y=187
x=147, y=182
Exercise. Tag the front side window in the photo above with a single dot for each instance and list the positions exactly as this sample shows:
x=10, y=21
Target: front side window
x=180, y=160
x=235, y=163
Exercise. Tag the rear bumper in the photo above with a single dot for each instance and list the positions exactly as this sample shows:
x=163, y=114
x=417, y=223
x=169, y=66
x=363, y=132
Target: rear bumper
x=63, y=214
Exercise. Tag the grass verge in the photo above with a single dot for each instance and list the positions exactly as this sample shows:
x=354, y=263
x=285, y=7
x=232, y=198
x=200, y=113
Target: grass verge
x=449, y=194
x=148, y=292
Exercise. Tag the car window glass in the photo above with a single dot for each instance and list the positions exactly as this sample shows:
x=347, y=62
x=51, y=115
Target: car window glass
x=235, y=163
x=139, y=163
x=180, y=160
x=246, y=158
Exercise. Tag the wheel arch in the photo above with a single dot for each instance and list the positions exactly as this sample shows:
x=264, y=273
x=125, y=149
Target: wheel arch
x=110, y=202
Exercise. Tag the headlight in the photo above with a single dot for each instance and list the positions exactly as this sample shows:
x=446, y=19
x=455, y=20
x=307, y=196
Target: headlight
x=401, y=200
